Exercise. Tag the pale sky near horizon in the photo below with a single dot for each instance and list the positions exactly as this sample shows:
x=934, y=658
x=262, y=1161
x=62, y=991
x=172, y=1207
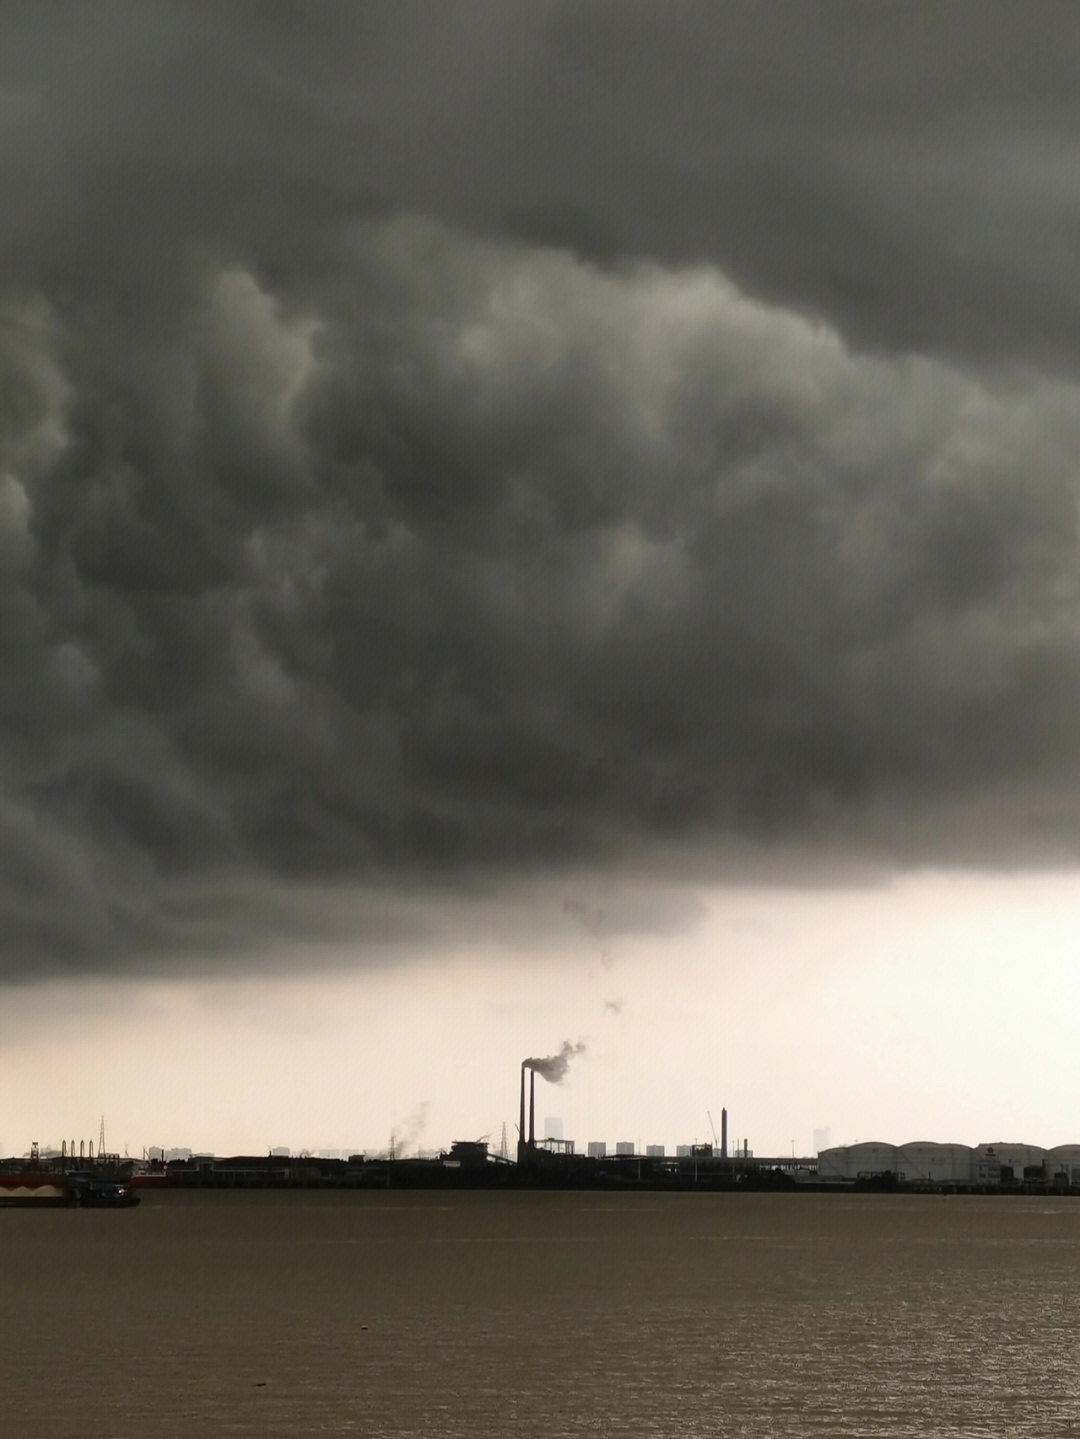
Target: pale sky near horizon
x=940, y=1007
x=526, y=523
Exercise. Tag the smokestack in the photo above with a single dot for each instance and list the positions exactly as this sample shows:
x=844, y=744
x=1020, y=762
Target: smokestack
x=521, y=1124
x=532, y=1108
x=723, y=1134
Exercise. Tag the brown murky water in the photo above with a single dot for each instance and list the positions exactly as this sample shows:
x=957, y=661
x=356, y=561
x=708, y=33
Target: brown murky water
x=472, y=1315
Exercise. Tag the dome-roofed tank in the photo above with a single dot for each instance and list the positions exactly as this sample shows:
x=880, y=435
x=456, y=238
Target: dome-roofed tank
x=1006, y=1163
x=858, y=1161
x=1064, y=1159
x=927, y=1162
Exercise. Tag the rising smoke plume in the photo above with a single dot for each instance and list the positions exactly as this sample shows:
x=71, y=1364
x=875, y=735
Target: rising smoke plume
x=407, y=1134
x=554, y=1067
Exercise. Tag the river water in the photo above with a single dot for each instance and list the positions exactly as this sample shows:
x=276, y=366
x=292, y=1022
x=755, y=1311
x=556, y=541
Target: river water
x=555, y=1315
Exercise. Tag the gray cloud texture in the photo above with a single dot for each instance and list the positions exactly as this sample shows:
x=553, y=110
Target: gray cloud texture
x=499, y=440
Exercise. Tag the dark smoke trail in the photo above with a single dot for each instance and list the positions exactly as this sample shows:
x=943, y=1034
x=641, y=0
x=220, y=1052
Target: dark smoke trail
x=554, y=1068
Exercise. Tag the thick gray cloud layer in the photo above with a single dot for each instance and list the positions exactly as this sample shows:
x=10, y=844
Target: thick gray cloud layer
x=493, y=440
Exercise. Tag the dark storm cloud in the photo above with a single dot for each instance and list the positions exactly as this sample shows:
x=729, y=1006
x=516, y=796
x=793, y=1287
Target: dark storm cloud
x=493, y=440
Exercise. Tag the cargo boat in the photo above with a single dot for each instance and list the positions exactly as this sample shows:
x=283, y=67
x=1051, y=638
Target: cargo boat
x=153, y=1179
x=40, y=1188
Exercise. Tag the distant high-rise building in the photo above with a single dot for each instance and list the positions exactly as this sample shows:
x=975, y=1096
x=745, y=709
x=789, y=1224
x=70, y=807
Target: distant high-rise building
x=597, y=1149
x=284, y=1152
x=171, y=1154
x=654, y=1151
x=624, y=1149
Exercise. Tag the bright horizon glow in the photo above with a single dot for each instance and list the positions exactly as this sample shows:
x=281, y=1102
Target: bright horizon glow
x=939, y=1007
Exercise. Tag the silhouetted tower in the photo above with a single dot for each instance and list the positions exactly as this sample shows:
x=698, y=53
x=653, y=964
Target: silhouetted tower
x=527, y=1137
x=521, y=1148
x=504, y=1150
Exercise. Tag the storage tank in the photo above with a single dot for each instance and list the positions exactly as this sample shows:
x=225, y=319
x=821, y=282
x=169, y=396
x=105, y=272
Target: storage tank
x=1064, y=1160
x=924, y=1161
x=832, y=1164
x=848, y=1162
x=1006, y=1163
x=873, y=1158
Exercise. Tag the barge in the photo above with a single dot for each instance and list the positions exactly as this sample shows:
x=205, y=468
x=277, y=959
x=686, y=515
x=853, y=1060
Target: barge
x=41, y=1185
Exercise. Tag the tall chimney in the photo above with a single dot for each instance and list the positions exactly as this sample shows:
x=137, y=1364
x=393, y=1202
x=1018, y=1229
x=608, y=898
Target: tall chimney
x=723, y=1134
x=521, y=1126
x=532, y=1108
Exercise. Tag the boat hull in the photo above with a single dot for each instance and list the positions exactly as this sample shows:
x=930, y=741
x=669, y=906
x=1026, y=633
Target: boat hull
x=33, y=1190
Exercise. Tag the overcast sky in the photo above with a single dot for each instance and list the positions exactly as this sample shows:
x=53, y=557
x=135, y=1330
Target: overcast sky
x=525, y=523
